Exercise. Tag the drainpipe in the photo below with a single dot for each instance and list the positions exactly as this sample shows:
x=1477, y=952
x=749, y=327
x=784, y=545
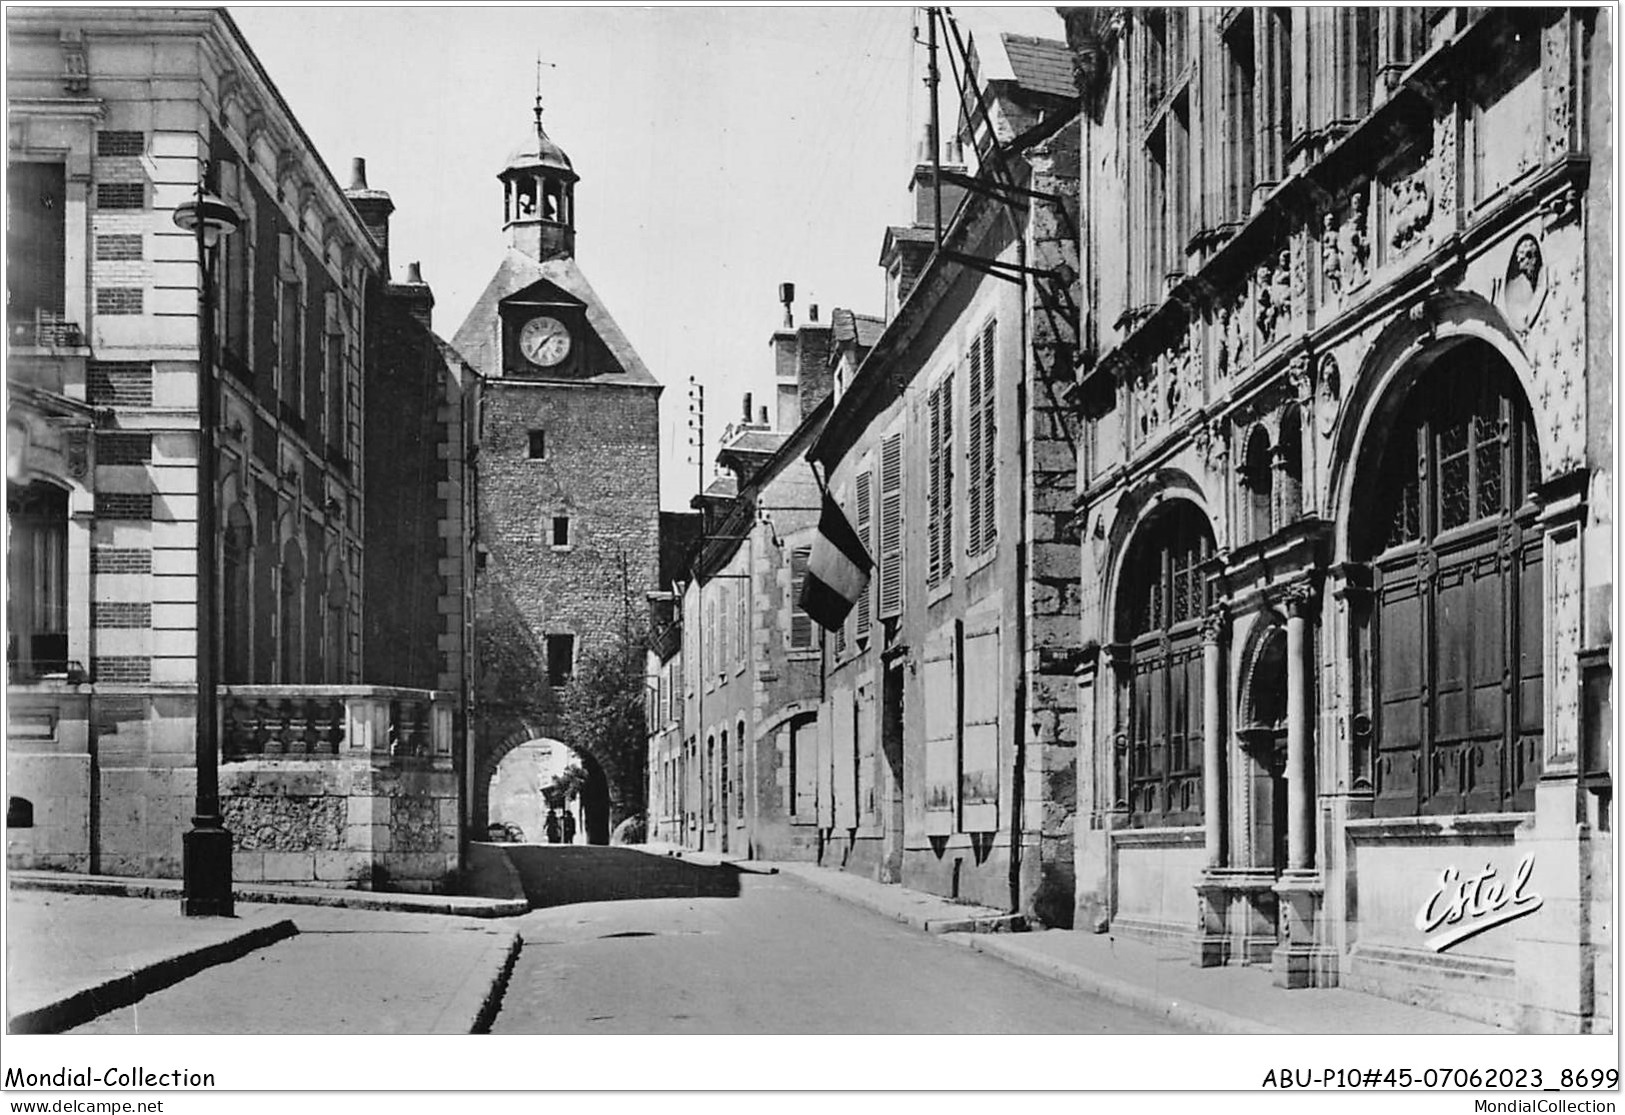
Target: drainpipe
x=1022, y=549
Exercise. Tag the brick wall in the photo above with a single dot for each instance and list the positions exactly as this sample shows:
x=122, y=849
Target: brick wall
x=119, y=383
x=114, y=559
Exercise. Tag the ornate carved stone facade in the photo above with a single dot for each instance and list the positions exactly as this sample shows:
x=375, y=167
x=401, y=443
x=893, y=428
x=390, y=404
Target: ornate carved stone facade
x=1407, y=367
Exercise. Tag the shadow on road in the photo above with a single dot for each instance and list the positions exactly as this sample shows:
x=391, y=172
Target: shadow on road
x=562, y=874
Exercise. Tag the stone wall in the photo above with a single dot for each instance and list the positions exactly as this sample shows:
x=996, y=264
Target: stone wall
x=341, y=822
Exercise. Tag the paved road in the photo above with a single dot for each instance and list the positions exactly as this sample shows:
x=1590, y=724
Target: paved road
x=722, y=952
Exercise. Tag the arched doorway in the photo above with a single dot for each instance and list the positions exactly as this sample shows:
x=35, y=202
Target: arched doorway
x=1163, y=598
x=1448, y=714
x=1261, y=735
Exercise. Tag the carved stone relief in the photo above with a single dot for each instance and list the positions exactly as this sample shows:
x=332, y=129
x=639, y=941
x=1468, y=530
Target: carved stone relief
x=1273, y=284
x=1410, y=208
x=1147, y=405
x=1524, y=289
x=1555, y=77
x=1446, y=163
x=1345, y=249
x=1328, y=396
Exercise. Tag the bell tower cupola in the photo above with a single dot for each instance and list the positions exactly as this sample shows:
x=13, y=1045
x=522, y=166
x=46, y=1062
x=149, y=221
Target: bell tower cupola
x=538, y=196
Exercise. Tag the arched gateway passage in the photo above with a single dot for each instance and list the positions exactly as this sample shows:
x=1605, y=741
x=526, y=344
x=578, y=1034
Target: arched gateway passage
x=511, y=779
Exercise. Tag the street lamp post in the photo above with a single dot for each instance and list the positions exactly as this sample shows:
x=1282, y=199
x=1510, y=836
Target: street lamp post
x=206, y=847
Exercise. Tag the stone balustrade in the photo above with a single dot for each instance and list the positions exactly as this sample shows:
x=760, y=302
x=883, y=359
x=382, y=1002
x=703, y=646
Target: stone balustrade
x=409, y=728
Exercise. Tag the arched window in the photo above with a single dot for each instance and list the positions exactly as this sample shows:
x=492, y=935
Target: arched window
x=292, y=605
x=1161, y=605
x=1453, y=703
x=1289, y=463
x=338, y=611
x=1257, y=479
x=237, y=614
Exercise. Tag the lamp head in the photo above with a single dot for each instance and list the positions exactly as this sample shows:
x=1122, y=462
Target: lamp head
x=219, y=218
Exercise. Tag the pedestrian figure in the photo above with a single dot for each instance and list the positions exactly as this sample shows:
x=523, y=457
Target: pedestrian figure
x=552, y=827
x=569, y=827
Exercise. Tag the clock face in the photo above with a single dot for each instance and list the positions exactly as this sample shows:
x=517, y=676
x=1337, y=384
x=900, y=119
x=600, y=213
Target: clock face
x=544, y=341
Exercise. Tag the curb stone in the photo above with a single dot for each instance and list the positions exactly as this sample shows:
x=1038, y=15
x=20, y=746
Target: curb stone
x=1204, y=1019
x=93, y=1000
x=456, y=905
x=477, y=1002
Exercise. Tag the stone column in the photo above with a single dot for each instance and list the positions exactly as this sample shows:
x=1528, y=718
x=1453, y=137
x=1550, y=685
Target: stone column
x=1300, y=794
x=1215, y=631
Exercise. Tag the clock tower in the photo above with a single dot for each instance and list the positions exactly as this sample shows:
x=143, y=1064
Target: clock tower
x=569, y=471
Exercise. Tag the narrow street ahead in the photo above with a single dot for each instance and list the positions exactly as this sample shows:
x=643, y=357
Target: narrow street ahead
x=721, y=952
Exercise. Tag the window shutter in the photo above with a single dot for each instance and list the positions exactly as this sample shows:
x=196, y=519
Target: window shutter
x=800, y=622
x=989, y=442
x=935, y=514
x=891, y=525
x=865, y=484
x=973, y=454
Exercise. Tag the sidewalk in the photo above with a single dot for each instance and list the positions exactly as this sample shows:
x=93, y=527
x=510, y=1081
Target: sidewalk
x=80, y=952
x=1228, y=1000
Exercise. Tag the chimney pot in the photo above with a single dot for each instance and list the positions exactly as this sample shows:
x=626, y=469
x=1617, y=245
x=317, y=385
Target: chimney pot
x=414, y=272
x=747, y=408
x=812, y=313
x=787, y=295
x=358, y=173
x=764, y=416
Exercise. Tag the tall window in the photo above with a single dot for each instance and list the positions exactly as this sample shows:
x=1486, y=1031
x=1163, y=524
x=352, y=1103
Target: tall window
x=36, y=246
x=291, y=326
x=561, y=659
x=940, y=520
x=1258, y=485
x=293, y=614
x=739, y=771
x=37, y=574
x=1161, y=604
x=1455, y=625
x=1240, y=124
x=236, y=636
x=981, y=472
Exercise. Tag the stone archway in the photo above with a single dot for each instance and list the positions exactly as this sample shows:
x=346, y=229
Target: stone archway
x=599, y=805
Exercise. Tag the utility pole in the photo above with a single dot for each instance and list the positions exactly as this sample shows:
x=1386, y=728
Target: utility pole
x=932, y=79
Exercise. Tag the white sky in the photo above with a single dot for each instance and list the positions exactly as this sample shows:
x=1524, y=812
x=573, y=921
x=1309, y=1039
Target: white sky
x=722, y=150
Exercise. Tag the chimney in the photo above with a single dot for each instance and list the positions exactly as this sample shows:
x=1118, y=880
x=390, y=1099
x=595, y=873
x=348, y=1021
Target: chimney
x=920, y=185
x=414, y=296
x=812, y=313
x=747, y=408
x=813, y=376
x=785, y=374
x=372, y=206
x=764, y=416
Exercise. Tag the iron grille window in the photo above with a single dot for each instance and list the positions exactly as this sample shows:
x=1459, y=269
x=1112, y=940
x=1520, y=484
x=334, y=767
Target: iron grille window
x=1164, y=599
x=1456, y=619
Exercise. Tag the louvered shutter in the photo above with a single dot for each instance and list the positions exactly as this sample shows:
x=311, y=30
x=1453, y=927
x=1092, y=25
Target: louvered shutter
x=865, y=482
x=801, y=633
x=990, y=486
x=945, y=455
x=936, y=540
x=973, y=454
x=891, y=526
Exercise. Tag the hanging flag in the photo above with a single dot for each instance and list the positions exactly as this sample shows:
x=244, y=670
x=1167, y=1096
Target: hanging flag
x=837, y=571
